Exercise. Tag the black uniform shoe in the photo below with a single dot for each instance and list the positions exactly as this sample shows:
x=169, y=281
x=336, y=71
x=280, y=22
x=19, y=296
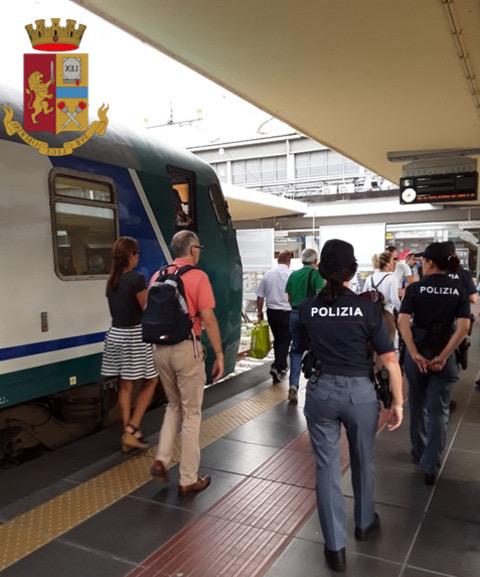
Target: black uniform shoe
x=336, y=559
x=429, y=479
x=363, y=534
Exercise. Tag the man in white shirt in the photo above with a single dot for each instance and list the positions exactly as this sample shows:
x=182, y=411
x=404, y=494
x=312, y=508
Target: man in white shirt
x=402, y=271
x=272, y=290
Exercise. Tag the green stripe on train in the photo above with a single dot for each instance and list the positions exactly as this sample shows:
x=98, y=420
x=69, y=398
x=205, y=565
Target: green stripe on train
x=21, y=386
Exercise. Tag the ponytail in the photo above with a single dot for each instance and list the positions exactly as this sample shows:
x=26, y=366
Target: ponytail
x=122, y=249
x=446, y=262
x=453, y=263
x=333, y=289
x=380, y=261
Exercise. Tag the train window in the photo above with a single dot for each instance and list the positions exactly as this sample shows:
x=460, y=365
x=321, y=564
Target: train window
x=183, y=199
x=220, y=207
x=84, y=224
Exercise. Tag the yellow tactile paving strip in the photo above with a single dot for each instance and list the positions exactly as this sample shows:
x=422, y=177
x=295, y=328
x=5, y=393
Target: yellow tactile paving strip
x=37, y=527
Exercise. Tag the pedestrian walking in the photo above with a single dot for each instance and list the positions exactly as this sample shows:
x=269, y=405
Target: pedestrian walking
x=182, y=370
x=342, y=328
x=272, y=291
x=440, y=311
x=125, y=354
x=302, y=283
x=385, y=281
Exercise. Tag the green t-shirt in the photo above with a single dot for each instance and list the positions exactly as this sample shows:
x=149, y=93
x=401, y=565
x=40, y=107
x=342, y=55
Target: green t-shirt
x=297, y=284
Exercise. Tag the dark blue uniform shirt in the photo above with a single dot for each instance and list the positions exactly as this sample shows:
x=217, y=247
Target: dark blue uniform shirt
x=340, y=333
x=465, y=279
x=436, y=299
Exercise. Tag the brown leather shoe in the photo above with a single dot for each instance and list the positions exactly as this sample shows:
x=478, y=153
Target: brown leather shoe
x=159, y=471
x=201, y=484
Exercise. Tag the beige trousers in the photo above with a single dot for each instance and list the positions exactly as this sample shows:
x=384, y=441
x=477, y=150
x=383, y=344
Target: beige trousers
x=183, y=378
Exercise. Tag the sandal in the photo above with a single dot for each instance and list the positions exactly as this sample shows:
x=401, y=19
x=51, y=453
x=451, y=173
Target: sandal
x=133, y=439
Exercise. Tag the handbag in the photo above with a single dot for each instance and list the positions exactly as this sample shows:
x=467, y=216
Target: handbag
x=260, y=344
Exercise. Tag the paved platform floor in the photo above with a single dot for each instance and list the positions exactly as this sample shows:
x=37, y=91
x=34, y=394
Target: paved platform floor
x=258, y=516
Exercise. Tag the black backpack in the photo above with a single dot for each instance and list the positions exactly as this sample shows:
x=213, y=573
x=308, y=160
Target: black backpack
x=166, y=320
x=374, y=295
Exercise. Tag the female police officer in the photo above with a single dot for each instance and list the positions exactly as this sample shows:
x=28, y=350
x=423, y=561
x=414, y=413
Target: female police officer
x=341, y=327
x=434, y=303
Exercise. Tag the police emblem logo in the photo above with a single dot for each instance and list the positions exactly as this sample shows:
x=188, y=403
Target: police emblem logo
x=55, y=89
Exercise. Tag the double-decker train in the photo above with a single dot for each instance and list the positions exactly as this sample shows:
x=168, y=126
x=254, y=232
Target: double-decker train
x=59, y=217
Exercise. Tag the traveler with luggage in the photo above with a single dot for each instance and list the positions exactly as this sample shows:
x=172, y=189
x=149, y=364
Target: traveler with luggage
x=434, y=319
x=342, y=329
x=272, y=291
x=180, y=300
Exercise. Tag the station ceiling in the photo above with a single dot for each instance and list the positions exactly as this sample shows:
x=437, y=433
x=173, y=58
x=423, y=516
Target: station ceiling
x=363, y=77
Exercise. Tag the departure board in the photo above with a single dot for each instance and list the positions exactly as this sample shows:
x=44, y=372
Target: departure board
x=441, y=188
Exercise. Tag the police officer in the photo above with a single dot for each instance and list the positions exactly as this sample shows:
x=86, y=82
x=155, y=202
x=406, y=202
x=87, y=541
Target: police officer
x=464, y=278
x=440, y=311
x=340, y=327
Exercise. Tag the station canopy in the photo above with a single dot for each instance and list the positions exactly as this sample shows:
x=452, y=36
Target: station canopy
x=248, y=204
x=363, y=77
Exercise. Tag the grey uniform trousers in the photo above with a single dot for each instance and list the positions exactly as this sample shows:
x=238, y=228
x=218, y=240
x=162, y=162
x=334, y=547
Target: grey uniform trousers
x=333, y=400
x=429, y=398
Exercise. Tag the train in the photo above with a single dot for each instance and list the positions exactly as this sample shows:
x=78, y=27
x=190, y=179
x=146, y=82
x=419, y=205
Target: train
x=59, y=216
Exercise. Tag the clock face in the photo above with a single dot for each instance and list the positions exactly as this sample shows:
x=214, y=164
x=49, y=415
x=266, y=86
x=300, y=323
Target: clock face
x=409, y=195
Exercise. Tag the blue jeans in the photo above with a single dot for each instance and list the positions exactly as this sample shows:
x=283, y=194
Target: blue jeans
x=429, y=399
x=332, y=400
x=297, y=349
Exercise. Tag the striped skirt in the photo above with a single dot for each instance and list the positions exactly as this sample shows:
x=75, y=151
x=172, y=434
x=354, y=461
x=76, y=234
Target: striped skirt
x=126, y=355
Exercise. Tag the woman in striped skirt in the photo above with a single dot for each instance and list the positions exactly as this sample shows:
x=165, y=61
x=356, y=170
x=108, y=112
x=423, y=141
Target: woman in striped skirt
x=125, y=354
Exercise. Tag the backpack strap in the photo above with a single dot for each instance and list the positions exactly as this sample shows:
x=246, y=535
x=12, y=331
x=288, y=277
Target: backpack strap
x=310, y=289
x=375, y=286
x=183, y=269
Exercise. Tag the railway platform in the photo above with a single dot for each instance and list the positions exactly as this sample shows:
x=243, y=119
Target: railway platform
x=87, y=510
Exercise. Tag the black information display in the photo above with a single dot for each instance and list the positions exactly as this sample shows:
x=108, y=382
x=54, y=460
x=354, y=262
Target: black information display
x=454, y=187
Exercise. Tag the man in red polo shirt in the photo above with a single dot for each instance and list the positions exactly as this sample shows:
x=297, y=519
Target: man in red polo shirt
x=182, y=371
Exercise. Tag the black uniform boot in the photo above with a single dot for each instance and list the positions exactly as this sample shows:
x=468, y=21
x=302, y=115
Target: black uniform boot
x=336, y=559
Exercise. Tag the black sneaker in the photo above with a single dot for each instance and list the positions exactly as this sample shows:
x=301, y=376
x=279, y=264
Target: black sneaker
x=275, y=375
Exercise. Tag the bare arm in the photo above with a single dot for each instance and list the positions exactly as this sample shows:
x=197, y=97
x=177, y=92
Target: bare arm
x=142, y=298
x=213, y=332
x=390, y=362
x=260, y=301
x=473, y=298
x=407, y=335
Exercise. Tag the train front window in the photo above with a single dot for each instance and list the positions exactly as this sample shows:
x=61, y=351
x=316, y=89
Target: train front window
x=84, y=226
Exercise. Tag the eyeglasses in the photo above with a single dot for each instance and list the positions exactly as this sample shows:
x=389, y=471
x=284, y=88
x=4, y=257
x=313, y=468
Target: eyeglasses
x=199, y=246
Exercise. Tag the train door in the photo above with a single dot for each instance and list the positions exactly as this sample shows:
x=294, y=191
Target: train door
x=184, y=199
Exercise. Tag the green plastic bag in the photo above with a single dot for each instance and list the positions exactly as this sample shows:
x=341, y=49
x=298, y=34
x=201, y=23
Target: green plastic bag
x=260, y=340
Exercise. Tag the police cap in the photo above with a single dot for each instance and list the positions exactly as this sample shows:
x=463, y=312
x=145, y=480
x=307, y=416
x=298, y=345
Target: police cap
x=337, y=255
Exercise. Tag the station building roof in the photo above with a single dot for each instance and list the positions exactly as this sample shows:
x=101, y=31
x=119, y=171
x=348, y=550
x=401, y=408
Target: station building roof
x=364, y=78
